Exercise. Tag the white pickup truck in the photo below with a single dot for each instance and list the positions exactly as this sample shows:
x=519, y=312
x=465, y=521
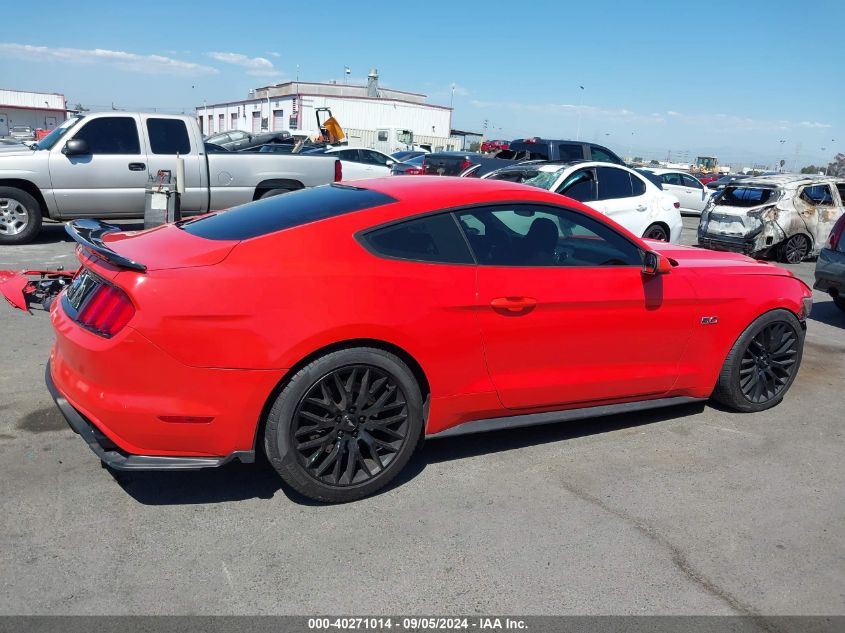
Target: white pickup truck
x=97, y=165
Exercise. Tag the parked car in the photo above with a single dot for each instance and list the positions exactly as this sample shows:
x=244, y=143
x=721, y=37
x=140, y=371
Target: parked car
x=238, y=140
x=788, y=216
x=276, y=148
x=691, y=194
x=411, y=167
x=616, y=191
x=406, y=155
x=706, y=179
x=494, y=146
x=98, y=165
x=464, y=305
x=559, y=150
x=457, y=163
x=22, y=133
x=830, y=266
x=359, y=163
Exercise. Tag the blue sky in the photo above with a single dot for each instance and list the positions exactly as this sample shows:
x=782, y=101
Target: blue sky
x=731, y=79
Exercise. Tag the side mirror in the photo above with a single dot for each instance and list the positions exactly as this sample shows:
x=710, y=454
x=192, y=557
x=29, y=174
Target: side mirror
x=76, y=147
x=390, y=163
x=656, y=264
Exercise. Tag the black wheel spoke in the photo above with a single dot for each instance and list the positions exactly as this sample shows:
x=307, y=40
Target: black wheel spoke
x=350, y=425
x=768, y=363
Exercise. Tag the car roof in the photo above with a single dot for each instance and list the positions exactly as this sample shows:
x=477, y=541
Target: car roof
x=789, y=180
x=665, y=170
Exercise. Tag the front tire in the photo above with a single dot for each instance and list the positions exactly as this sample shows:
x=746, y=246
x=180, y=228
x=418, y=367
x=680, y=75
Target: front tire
x=345, y=424
x=20, y=216
x=762, y=364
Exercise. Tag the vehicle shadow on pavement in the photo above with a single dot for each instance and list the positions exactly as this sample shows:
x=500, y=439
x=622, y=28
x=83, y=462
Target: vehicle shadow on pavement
x=826, y=312
x=238, y=482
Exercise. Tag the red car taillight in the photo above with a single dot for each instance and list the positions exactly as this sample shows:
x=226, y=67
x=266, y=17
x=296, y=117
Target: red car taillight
x=338, y=171
x=106, y=311
x=464, y=165
x=836, y=234
x=415, y=171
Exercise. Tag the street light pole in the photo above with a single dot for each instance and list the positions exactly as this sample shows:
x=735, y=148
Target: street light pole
x=580, y=104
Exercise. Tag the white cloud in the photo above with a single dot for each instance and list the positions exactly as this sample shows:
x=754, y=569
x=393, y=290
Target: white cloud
x=814, y=124
x=255, y=66
x=273, y=54
x=130, y=62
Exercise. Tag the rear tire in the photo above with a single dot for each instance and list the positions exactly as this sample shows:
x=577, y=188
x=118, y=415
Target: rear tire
x=795, y=249
x=762, y=364
x=656, y=232
x=345, y=424
x=20, y=216
x=273, y=192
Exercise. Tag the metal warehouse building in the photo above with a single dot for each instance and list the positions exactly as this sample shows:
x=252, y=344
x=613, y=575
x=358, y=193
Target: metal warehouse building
x=366, y=113
x=43, y=110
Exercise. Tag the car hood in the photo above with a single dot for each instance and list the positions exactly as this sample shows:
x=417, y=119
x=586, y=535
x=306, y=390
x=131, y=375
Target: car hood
x=694, y=257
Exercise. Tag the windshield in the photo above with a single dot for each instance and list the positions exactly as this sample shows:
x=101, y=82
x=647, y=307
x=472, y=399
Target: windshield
x=543, y=179
x=53, y=137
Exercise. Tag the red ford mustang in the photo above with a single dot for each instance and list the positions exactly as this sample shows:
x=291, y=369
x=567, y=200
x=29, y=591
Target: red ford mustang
x=335, y=327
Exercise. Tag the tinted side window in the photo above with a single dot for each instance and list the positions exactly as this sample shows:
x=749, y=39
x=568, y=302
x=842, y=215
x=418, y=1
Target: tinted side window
x=434, y=238
x=614, y=183
x=637, y=185
x=689, y=181
x=168, y=136
x=350, y=155
x=373, y=158
x=671, y=179
x=600, y=155
x=841, y=188
x=580, y=186
x=537, y=235
x=570, y=151
x=111, y=135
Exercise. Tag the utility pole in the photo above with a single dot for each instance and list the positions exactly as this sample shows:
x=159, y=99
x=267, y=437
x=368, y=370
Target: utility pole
x=580, y=104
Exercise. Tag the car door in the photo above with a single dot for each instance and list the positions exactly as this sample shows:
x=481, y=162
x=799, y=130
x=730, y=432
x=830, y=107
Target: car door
x=673, y=183
x=110, y=180
x=694, y=195
x=353, y=168
x=566, y=314
x=819, y=211
x=613, y=195
x=376, y=161
x=169, y=138
x=237, y=140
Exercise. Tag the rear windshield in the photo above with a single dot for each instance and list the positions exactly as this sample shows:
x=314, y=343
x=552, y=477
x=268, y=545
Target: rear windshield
x=284, y=211
x=739, y=196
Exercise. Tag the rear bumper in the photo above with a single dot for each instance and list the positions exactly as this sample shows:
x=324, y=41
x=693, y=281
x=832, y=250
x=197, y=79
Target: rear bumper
x=114, y=457
x=743, y=245
x=830, y=272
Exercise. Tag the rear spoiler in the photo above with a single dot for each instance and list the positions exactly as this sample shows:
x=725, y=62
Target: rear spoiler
x=90, y=233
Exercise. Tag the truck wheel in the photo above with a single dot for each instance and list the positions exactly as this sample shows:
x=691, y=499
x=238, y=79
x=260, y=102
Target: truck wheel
x=20, y=216
x=273, y=192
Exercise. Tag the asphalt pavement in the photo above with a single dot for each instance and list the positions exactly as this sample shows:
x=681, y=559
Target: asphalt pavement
x=687, y=510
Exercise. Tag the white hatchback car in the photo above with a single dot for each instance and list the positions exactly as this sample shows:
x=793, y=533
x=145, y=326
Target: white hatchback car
x=620, y=193
x=359, y=163
x=690, y=192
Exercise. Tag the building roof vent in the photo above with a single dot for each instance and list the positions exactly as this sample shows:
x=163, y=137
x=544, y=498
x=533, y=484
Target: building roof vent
x=372, y=83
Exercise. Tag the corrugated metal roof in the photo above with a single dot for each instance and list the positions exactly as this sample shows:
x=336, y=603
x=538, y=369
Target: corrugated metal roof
x=24, y=99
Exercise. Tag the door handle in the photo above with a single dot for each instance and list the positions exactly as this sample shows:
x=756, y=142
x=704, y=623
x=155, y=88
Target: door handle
x=514, y=305
x=642, y=207
x=137, y=167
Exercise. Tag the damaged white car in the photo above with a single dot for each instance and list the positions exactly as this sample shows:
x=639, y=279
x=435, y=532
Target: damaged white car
x=788, y=216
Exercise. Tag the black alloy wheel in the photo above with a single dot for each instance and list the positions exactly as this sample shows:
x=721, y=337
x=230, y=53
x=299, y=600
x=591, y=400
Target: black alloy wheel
x=795, y=249
x=350, y=425
x=656, y=232
x=762, y=364
x=769, y=362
